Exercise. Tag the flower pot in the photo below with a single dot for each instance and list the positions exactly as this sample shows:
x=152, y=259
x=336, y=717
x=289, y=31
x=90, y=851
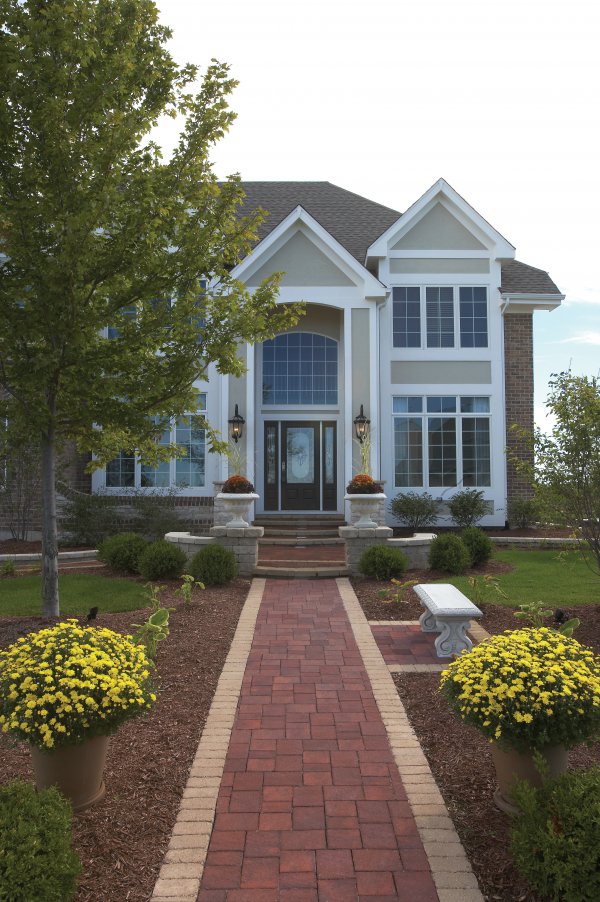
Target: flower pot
x=76, y=770
x=512, y=767
x=366, y=507
x=237, y=507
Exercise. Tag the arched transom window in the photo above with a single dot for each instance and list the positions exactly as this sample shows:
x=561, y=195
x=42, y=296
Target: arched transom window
x=300, y=368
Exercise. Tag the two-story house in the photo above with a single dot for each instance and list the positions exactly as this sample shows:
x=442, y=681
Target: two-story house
x=421, y=321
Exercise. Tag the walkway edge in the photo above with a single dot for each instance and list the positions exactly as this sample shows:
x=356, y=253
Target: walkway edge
x=451, y=870
x=183, y=864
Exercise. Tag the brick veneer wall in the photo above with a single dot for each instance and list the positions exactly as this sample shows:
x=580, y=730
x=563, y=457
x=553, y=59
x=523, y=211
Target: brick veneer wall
x=518, y=367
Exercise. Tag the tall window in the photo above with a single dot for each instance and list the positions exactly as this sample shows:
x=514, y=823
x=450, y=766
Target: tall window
x=187, y=471
x=445, y=312
x=441, y=441
x=300, y=368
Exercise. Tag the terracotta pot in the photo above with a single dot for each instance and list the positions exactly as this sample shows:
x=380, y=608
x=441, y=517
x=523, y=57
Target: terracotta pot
x=512, y=766
x=76, y=770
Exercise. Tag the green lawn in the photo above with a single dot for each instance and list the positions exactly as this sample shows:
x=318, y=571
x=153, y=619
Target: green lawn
x=541, y=575
x=78, y=593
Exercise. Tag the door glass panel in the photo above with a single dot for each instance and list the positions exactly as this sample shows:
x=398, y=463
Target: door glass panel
x=271, y=455
x=300, y=455
x=329, y=449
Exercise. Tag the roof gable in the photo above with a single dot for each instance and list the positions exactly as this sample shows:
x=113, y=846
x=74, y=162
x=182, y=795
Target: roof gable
x=302, y=264
x=438, y=230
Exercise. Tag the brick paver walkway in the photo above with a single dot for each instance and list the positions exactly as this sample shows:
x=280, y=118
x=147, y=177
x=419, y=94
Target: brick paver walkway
x=311, y=806
x=407, y=645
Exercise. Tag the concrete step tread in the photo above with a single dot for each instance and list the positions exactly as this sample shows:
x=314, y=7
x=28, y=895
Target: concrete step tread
x=301, y=572
x=302, y=542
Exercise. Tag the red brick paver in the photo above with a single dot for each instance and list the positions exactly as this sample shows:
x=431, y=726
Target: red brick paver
x=311, y=805
x=404, y=644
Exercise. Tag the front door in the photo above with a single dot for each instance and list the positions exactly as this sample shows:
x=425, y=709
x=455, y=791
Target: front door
x=300, y=470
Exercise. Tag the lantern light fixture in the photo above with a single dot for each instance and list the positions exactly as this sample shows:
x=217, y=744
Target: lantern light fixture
x=361, y=425
x=236, y=424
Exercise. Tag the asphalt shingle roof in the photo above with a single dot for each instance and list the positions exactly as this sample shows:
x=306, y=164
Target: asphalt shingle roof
x=353, y=220
x=357, y=222
x=524, y=279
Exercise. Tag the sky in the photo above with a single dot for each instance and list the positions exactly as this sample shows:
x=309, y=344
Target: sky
x=383, y=98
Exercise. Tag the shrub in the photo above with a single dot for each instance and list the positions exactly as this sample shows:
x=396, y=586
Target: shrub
x=450, y=554
x=468, y=507
x=556, y=839
x=36, y=860
x=123, y=551
x=162, y=560
x=415, y=510
x=213, y=565
x=155, y=515
x=88, y=519
x=382, y=562
x=363, y=484
x=480, y=545
x=523, y=512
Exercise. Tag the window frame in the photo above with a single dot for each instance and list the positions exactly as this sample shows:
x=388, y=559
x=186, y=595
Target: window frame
x=460, y=416
x=456, y=317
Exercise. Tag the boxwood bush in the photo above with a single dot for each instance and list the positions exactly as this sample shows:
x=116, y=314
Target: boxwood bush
x=556, y=838
x=36, y=858
x=382, y=562
x=467, y=507
x=162, y=560
x=213, y=565
x=414, y=510
x=123, y=551
x=479, y=544
x=449, y=554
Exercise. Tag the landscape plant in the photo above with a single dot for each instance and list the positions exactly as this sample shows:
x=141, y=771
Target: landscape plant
x=213, y=565
x=449, y=554
x=555, y=839
x=467, y=507
x=37, y=861
x=154, y=630
x=162, y=560
x=123, y=551
x=527, y=689
x=382, y=562
x=536, y=613
x=237, y=485
x=68, y=683
x=414, y=510
x=187, y=587
x=116, y=287
x=523, y=512
x=363, y=484
x=479, y=545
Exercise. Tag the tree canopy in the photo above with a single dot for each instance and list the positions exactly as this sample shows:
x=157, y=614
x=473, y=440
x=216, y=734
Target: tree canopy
x=115, y=282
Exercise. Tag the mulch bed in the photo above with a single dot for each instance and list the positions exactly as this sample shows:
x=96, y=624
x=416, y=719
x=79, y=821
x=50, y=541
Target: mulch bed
x=122, y=839
x=459, y=755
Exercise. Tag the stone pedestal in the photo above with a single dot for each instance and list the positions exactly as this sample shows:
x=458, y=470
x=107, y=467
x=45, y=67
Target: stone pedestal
x=243, y=542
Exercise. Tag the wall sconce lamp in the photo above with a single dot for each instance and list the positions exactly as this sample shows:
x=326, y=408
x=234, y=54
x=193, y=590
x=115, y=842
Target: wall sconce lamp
x=361, y=425
x=236, y=424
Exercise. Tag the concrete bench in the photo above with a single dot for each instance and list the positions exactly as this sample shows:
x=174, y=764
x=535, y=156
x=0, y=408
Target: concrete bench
x=448, y=612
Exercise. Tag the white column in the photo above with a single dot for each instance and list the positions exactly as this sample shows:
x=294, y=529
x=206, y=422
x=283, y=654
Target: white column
x=374, y=389
x=250, y=413
x=223, y=471
x=348, y=399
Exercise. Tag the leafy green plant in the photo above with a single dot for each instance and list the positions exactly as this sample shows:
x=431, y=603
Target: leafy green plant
x=449, y=554
x=398, y=591
x=152, y=595
x=88, y=519
x=523, y=512
x=162, y=560
x=153, y=631
x=482, y=586
x=467, y=507
x=536, y=613
x=155, y=514
x=382, y=562
x=555, y=840
x=213, y=565
x=186, y=590
x=479, y=544
x=8, y=568
x=414, y=510
x=123, y=551
x=37, y=861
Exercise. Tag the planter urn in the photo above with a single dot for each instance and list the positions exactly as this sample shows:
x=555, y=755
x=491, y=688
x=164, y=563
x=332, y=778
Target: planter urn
x=513, y=767
x=76, y=770
x=366, y=506
x=236, y=507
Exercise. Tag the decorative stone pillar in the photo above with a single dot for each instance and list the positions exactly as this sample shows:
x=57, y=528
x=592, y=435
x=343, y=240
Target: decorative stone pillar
x=220, y=516
x=358, y=540
x=243, y=541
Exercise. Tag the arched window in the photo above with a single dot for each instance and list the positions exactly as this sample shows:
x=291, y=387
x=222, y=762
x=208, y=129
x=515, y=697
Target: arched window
x=300, y=368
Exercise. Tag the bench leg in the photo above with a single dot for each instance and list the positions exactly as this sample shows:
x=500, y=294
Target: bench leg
x=453, y=639
x=428, y=623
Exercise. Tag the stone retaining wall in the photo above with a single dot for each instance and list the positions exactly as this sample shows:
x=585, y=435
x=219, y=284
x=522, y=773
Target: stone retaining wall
x=242, y=542
x=415, y=549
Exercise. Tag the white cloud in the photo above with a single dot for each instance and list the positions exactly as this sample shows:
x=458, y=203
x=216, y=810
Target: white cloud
x=581, y=295
x=582, y=338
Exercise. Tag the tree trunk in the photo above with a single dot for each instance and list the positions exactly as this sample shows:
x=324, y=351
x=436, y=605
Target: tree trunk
x=50, y=602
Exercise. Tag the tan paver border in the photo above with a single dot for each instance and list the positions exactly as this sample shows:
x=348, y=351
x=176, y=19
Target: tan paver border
x=181, y=871
x=450, y=867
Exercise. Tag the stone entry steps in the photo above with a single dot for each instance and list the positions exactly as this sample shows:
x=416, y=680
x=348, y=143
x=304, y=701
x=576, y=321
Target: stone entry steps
x=300, y=547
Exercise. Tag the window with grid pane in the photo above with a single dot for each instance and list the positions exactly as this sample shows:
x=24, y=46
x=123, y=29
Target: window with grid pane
x=476, y=451
x=300, y=368
x=406, y=314
x=408, y=451
x=120, y=472
x=473, y=318
x=190, y=436
x=160, y=476
x=442, y=451
x=440, y=317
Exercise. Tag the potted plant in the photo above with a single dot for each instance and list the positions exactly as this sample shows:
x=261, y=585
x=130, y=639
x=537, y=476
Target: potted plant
x=236, y=496
x=528, y=691
x=64, y=690
x=365, y=496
